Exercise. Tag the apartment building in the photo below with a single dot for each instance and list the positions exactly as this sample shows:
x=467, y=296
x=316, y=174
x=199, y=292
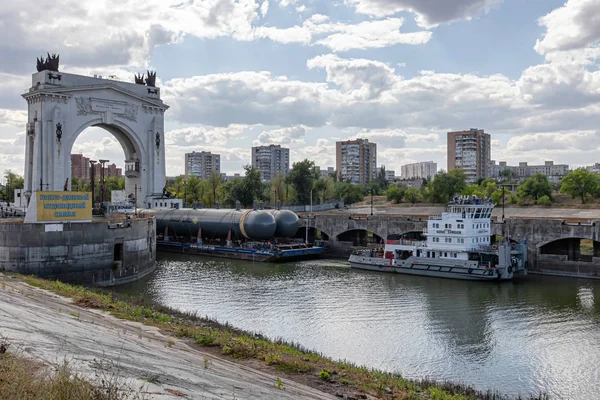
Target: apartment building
x=80, y=167
x=356, y=161
x=471, y=151
x=271, y=160
x=554, y=172
x=420, y=170
x=202, y=164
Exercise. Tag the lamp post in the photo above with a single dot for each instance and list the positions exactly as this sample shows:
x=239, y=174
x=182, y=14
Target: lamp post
x=184, y=193
x=371, y=201
x=93, y=179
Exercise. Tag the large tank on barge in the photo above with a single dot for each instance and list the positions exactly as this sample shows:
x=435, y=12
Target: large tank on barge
x=248, y=224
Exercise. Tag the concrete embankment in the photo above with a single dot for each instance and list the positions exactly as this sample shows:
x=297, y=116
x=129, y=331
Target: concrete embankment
x=52, y=329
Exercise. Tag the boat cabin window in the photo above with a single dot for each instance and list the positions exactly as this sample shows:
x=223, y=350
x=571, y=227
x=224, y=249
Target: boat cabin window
x=454, y=255
x=428, y=254
x=445, y=254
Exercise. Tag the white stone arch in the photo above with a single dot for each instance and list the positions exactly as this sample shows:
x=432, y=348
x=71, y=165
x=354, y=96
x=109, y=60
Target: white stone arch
x=61, y=106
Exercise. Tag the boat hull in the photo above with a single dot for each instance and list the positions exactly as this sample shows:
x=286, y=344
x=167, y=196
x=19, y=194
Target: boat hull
x=426, y=269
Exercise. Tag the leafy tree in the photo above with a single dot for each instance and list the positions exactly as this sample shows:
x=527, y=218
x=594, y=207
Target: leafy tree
x=446, y=185
x=375, y=188
x=381, y=179
x=507, y=175
x=278, y=187
x=544, y=201
x=580, y=183
x=302, y=177
x=413, y=195
x=246, y=189
x=12, y=182
x=349, y=192
x=473, y=190
x=395, y=193
x=214, y=181
x=535, y=187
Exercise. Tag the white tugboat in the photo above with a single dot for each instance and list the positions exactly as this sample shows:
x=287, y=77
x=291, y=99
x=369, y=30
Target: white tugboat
x=457, y=246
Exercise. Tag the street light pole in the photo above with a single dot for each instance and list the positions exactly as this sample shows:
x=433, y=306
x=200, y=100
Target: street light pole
x=371, y=201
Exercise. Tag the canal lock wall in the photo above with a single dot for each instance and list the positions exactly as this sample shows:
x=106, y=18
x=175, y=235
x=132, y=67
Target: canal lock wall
x=102, y=252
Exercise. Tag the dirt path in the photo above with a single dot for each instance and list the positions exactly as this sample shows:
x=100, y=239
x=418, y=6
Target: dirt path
x=49, y=327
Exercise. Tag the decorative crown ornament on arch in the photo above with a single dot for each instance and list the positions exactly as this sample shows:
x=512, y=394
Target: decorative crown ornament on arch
x=60, y=109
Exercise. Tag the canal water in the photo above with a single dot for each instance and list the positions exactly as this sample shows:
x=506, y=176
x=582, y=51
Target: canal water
x=537, y=334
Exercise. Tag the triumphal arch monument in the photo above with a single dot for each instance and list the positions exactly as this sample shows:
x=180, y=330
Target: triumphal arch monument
x=61, y=106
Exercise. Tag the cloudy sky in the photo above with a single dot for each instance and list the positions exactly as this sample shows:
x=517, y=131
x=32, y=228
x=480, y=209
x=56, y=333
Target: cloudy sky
x=305, y=73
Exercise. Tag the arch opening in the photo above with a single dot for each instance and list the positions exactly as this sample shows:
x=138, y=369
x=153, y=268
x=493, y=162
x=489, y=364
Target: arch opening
x=361, y=238
x=571, y=249
x=313, y=234
x=113, y=147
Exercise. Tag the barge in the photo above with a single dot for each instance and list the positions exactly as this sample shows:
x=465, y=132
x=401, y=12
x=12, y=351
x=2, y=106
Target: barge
x=265, y=253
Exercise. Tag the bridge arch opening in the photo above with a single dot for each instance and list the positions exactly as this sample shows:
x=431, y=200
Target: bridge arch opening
x=361, y=237
x=571, y=249
x=313, y=234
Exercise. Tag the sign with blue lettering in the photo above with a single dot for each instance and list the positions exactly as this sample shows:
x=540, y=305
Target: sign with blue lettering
x=64, y=206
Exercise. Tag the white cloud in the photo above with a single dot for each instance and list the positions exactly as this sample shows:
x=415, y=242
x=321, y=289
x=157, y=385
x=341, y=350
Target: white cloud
x=559, y=141
x=342, y=37
x=575, y=25
x=373, y=34
x=285, y=3
x=429, y=13
x=358, y=78
x=13, y=118
x=264, y=8
x=198, y=136
x=282, y=136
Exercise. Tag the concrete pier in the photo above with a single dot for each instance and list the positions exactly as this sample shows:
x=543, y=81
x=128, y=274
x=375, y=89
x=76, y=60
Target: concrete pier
x=104, y=252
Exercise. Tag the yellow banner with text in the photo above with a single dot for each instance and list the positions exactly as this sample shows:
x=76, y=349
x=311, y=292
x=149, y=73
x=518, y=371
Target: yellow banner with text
x=64, y=206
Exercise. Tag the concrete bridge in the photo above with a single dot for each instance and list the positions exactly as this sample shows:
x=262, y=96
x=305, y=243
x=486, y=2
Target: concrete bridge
x=565, y=244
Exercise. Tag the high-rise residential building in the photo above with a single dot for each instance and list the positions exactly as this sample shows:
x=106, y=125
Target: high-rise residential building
x=420, y=170
x=202, y=164
x=356, y=161
x=80, y=167
x=554, y=172
x=326, y=172
x=109, y=170
x=271, y=160
x=471, y=151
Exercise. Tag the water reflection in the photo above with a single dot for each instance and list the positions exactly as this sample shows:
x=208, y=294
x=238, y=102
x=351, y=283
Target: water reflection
x=522, y=337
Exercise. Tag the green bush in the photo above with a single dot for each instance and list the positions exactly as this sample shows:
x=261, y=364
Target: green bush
x=324, y=375
x=544, y=201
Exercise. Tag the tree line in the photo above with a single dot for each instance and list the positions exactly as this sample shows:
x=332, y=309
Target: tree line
x=536, y=190
x=294, y=188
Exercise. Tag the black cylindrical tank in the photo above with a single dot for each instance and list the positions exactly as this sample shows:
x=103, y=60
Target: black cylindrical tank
x=250, y=224
x=287, y=223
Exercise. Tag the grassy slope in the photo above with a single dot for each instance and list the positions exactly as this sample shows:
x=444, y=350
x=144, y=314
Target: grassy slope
x=337, y=377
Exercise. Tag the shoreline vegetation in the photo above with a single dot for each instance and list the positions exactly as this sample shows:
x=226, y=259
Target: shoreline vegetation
x=285, y=361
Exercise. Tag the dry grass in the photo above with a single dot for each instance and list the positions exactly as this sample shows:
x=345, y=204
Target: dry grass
x=23, y=378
